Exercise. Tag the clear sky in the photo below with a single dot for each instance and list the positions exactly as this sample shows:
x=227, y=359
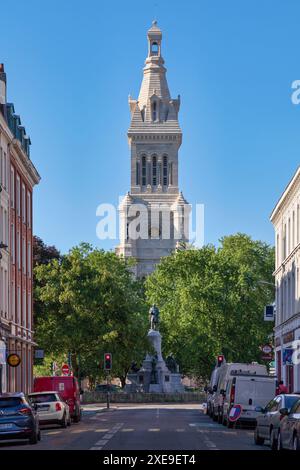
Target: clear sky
x=71, y=65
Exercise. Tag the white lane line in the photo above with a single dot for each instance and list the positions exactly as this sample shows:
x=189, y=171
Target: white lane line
x=109, y=435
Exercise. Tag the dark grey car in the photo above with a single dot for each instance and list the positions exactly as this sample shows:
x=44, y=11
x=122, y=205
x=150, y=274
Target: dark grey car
x=268, y=422
x=18, y=420
x=289, y=431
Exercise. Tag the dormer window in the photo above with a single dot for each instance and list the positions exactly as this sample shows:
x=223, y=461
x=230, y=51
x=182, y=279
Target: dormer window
x=154, y=48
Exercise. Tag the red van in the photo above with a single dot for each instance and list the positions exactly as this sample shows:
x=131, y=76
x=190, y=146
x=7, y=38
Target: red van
x=68, y=389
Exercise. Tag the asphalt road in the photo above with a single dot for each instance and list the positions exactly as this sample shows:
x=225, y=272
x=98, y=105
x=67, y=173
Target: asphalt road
x=145, y=427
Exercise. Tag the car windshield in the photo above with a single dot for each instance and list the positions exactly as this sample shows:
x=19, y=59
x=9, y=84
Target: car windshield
x=43, y=398
x=10, y=402
x=289, y=401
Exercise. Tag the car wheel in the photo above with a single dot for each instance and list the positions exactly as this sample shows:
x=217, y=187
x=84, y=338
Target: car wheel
x=39, y=435
x=273, y=440
x=259, y=441
x=33, y=438
x=64, y=422
x=296, y=444
x=279, y=442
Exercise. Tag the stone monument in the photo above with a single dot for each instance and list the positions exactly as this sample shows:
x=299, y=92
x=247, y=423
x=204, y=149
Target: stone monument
x=155, y=376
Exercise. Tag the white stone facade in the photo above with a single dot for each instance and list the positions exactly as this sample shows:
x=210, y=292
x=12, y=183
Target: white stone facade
x=286, y=220
x=154, y=138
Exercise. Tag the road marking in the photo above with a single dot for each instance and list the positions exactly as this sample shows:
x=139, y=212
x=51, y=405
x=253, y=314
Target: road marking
x=51, y=433
x=110, y=434
x=205, y=425
x=180, y=430
x=101, y=430
x=127, y=429
x=154, y=429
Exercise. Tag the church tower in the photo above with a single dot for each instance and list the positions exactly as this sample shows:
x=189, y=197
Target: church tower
x=154, y=215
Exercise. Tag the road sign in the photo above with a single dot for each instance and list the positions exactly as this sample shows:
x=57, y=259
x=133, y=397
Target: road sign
x=267, y=352
x=65, y=369
x=235, y=413
x=13, y=360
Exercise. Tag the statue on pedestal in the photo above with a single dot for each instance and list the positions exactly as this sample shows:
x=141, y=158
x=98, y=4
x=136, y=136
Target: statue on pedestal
x=154, y=317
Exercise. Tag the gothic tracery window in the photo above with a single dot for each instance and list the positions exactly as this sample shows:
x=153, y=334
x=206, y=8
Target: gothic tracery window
x=144, y=170
x=165, y=170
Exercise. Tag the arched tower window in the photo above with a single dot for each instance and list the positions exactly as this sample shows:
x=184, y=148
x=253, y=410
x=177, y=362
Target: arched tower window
x=144, y=170
x=154, y=48
x=154, y=111
x=137, y=173
x=154, y=170
x=165, y=171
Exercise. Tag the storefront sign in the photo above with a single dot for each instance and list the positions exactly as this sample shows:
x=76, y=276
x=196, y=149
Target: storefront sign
x=288, y=337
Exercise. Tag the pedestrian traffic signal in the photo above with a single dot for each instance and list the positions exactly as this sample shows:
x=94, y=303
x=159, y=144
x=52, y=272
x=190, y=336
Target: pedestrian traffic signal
x=220, y=360
x=107, y=361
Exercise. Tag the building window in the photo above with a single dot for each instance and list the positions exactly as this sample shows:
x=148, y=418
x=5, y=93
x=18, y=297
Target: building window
x=298, y=222
x=284, y=243
x=154, y=111
x=154, y=170
x=12, y=243
x=24, y=309
x=29, y=209
x=19, y=250
x=29, y=311
x=23, y=203
x=154, y=48
x=12, y=187
x=165, y=171
x=293, y=231
x=18, y=196
x=137, y=173
x=29, y=260
x=13, y=306
x=24, y=255
x=144, y=171
x=289, y=237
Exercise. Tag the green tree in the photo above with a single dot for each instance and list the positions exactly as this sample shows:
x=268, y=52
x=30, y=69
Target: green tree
x=93, y=305
x=212, y=301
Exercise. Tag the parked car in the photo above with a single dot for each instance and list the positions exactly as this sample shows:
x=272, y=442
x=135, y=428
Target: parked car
x=227, y=370
x=250, y=390
x=51, y=408
x=269, y=419
x=18, y=419
x=103, y=388
x=68, y=389
x=211, y=390
x=289, y=430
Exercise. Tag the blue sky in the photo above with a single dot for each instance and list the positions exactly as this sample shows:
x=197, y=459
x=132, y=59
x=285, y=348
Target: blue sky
x=72, y=64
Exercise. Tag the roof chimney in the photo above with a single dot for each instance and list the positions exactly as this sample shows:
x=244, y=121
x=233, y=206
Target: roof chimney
x=2, y=85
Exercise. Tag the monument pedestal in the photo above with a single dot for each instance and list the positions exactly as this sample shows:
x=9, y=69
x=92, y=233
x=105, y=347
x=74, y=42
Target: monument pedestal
x=154, y=376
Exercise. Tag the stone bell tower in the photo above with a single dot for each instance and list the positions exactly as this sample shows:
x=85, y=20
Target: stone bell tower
x=154, y=215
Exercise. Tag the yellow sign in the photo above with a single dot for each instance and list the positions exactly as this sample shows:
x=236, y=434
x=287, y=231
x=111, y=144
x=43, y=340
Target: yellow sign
x=13, y=360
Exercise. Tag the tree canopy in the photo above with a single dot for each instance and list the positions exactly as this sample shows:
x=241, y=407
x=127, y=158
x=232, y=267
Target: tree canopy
x=91, y=305
x=212, y=300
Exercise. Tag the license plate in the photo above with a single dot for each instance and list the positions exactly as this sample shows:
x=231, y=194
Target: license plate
x=6, y=426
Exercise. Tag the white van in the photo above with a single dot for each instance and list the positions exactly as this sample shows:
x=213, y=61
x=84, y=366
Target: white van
x=226, y=371
x=250, y=390
x=211, y=390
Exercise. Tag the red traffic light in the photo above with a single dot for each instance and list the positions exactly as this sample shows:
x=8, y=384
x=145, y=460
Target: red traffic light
x=220, y=360
x=107, y=361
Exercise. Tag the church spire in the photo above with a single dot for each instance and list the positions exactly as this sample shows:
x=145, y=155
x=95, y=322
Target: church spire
x=154, y=79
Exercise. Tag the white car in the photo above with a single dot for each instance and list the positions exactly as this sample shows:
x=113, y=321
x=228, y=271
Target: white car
x=51, y=408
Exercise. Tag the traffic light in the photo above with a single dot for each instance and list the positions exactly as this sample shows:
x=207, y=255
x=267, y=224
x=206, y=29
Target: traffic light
x=107, y=361
x=220, y=360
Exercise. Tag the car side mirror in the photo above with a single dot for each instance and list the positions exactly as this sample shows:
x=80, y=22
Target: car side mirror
x=206, y=388
x=223, y=392
x=284, y=411
x=214, y=388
